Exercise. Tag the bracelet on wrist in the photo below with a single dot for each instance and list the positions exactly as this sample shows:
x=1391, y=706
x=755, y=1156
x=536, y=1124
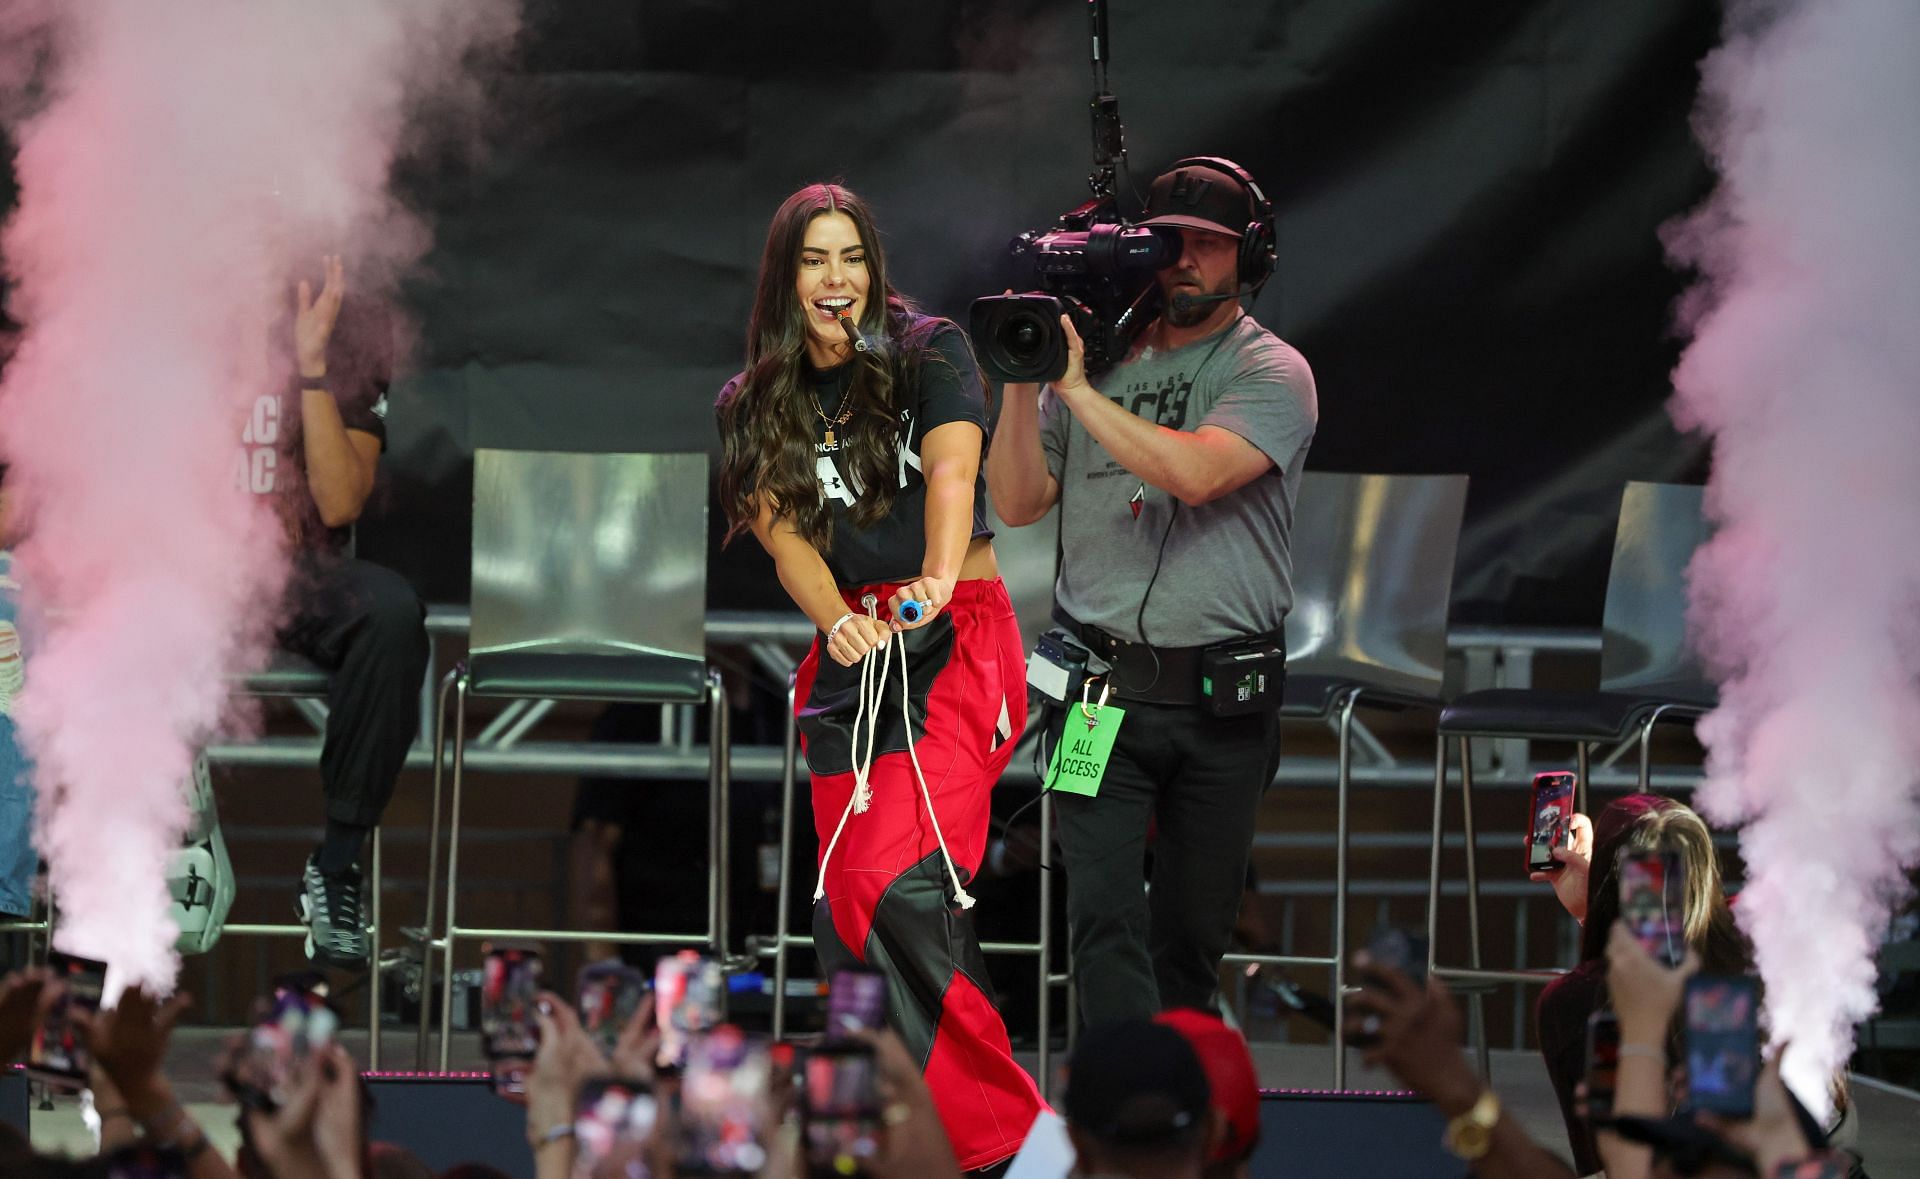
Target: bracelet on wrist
x=558, y=1133
x=838, y=623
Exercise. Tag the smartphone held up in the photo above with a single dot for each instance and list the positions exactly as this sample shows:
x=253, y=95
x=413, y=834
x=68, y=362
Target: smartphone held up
x=288, y=1028
x=1653, y=892
x=1550, y=824
x=58, y=1055
x=509, y=1031
x=1723, y=1043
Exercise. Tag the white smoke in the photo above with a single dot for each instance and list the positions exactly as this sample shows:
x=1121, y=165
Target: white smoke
x=177, y=162
x=1804, y=366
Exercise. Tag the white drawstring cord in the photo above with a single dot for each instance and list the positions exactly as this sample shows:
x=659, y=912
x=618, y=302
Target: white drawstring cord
x=960, y=893
x=872, y=695
x=868, y=708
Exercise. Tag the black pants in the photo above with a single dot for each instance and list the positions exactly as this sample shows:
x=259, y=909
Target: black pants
x=1197, y=781
x=363, y=623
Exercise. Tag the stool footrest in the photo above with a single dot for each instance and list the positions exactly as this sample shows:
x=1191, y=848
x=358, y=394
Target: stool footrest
x=1470, y=974
x=464, y=934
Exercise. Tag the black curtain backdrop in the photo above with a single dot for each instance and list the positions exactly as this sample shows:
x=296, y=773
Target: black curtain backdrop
x=1469, y=196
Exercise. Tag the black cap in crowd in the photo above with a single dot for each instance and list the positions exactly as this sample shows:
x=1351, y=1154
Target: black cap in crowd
x=1137, y=1083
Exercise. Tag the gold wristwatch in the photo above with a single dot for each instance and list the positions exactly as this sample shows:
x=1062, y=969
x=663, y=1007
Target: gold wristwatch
x=1470, y=1135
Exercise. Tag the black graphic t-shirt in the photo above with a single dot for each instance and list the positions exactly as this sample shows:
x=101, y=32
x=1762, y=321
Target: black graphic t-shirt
x=272, y=460
x=940, y=385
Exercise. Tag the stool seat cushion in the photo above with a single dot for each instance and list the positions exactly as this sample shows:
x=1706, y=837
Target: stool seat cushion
x=1567, y=716
x=1316, y=695
x=553, y=675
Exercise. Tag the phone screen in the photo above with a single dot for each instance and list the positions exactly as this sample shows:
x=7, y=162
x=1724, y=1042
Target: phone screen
x=723, y=1104
x=287, y=1029
x=1603, y=1063
x=509, y=1034
x=612, y=1124
x=1552, y=813
x=609, y=994
x=856, y=1002
x=1405, y=952
x=686, y=989
x=840, y=1110
x=59, y=1055
x=1653, y=891
x=1723, y=1043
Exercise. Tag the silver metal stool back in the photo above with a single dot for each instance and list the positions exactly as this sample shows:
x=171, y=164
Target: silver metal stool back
x=1644, y=646
x=600, y=554
x=589, y=583
x=1373, y=578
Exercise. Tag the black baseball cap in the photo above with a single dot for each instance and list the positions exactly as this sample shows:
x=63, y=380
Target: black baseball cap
x=1136, y=1083
x=1199, y=196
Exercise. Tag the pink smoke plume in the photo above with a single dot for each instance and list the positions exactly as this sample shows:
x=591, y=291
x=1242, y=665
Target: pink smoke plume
x=1804, y=368
x=177, y=164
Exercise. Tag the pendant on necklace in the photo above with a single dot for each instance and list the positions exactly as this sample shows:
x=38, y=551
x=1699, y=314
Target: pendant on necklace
x=829, y=438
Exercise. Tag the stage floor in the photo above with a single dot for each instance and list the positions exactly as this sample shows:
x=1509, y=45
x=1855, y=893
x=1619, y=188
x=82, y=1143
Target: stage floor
x=1889, y=1117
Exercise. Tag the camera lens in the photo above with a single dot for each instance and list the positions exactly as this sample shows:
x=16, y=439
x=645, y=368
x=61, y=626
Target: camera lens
x=1023, y=338
x=1019, y=337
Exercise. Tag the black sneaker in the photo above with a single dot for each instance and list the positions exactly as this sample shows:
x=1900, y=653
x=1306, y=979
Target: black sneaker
x=330, y=905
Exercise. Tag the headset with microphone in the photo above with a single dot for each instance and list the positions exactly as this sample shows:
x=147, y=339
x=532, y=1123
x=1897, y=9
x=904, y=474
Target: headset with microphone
x=1259, y=250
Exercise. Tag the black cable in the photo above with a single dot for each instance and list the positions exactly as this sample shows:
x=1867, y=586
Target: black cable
x=1140, y=618
x=1046, y=779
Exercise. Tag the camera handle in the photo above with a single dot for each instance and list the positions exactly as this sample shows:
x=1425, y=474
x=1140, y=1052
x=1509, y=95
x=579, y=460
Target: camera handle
x=1109, y=137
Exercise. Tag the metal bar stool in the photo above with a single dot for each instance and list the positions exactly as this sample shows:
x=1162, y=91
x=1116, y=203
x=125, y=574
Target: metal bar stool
x=289, y=676
x=589, y=583
x=1373, y=576
x=1647, y=674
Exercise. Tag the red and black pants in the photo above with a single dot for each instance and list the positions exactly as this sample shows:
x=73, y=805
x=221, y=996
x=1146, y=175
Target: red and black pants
x=889, y=902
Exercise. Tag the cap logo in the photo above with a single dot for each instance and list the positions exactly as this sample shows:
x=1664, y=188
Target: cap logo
x=1189, y=188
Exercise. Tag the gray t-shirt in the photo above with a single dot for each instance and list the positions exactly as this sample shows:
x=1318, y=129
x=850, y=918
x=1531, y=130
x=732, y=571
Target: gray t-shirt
x=1227, y=571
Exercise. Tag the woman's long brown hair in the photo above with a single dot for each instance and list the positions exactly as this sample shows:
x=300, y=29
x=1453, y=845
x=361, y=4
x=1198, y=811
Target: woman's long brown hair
x=1653, y=823
x=767, y=416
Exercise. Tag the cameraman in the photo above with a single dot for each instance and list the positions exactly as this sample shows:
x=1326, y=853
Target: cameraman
x=1176, y=484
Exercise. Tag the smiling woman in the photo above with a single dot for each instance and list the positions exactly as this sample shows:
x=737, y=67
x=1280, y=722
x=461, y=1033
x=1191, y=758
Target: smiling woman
x=858, y=470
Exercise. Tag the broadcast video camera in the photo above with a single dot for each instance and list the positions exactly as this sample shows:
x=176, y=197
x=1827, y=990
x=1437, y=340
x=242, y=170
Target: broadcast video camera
x=1093, y=266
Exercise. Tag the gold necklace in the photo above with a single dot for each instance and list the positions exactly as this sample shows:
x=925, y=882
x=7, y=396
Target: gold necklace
x=845, y=414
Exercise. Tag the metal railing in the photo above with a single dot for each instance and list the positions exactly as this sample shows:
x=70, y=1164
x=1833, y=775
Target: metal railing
x=1487, y=657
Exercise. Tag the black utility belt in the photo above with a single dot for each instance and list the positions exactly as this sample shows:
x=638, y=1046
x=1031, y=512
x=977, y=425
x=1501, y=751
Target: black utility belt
x=1229, y=678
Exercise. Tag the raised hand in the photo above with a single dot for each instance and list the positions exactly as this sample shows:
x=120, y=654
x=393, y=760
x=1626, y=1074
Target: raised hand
x=314, y=318
x=1576, y=865
x=129, y=1043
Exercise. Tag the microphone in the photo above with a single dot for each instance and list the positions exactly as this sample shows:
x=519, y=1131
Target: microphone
x=852, y=329
x=1186, y=302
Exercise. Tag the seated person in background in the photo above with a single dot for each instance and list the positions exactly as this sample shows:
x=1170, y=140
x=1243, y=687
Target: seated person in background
x=18, y=860
x=1233, y=1083
x=1634, y=824
x=314, y=452
x=1138, y=1103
